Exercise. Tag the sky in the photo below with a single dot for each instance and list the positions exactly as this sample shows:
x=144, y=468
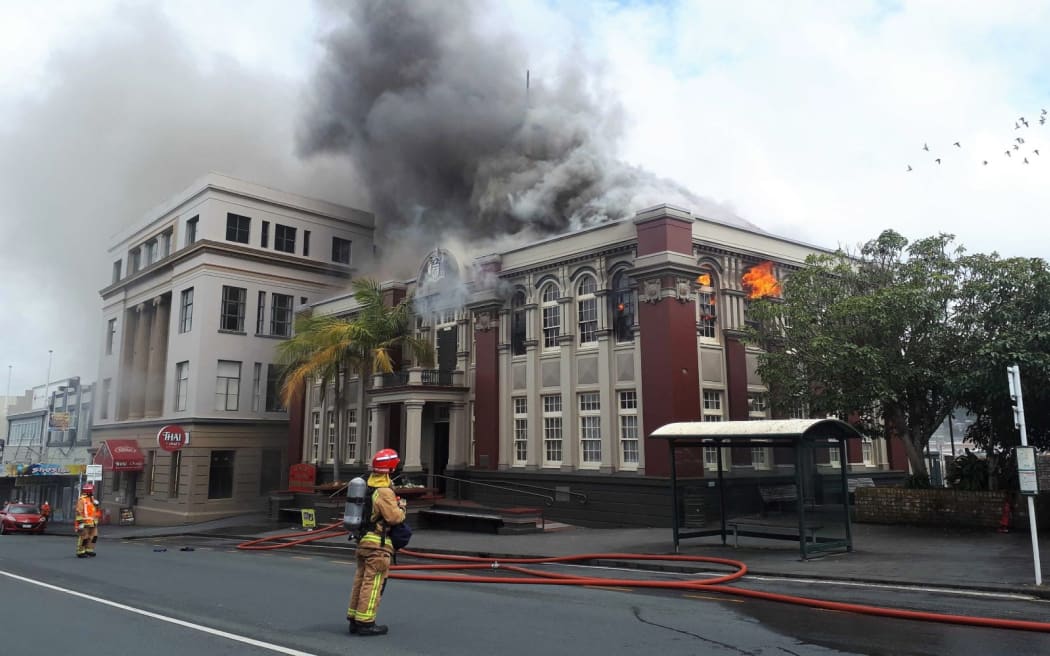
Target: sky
x=801, y=117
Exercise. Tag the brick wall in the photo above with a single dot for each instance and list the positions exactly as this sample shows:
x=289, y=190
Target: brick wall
x=940, y=507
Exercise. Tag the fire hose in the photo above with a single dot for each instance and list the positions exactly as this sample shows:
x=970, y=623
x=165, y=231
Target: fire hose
x=535, y=577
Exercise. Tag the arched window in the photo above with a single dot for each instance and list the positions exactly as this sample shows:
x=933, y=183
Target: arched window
x=517, y=324
x=622, y=308
x=587, y=306
x=551, y=315
x=706, y=308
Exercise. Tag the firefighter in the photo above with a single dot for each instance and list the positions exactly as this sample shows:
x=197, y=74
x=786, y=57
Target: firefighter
x=87, y=521
x=374, y=549
x=45, y=511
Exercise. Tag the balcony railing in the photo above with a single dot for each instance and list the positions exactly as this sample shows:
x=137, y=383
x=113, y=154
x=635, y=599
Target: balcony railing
x=418, y=376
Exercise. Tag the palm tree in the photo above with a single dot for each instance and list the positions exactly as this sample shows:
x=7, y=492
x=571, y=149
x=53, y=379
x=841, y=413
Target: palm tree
x=330, y=348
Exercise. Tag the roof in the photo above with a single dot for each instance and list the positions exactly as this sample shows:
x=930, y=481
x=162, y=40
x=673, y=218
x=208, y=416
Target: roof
x=780, y=430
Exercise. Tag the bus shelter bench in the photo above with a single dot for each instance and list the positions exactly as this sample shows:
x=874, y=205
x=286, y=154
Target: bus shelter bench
x=777, y=494
x=756, y=528
x=854, y=483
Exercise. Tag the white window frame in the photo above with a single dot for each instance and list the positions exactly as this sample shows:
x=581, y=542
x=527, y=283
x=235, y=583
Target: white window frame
x=256, y=386
x=550, y=312
x=350, y=452
x=711, y=458
x=315, y=444
x=590, y=426
x=712, y=405
x=186, y=310
x=587, y=311
x=223, y=385
x=630, y=448
x=182, y=385
x=520, y=407
x=329, y=447
x=834, y=458
x=553, y=431
x=761, y=458
x=757, y=405
x=867, y=450
x=706, y=306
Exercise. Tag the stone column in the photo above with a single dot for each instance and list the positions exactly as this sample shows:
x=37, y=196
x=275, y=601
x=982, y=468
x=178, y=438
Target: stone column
x=139, y=363
x=413, y=436
x=458, y=437
x=378, y=427
x=158, y=357
x=127, y=365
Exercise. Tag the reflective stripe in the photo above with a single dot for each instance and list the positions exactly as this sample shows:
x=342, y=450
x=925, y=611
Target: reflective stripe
x=369, y=614
x=372, y=538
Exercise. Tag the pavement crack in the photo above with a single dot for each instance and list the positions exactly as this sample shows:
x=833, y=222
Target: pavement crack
x=638, y=615
x=793, y=653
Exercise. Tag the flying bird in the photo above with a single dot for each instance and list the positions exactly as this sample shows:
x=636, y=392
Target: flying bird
x=1016, y=147
x=1016, y=126
x=1041, y=121
x=1020, y=140
x=956, y=144
x=1036, y=151
x=1043, y=112
x=1025, y=160
x=925, y=147
x=1025, y=122
x=1009, y=154
x=938, y=160
x=985, y=162
x=909, y=167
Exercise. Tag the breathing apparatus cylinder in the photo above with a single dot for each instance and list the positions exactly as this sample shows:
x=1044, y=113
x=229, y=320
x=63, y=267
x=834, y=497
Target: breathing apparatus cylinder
x=355, y=505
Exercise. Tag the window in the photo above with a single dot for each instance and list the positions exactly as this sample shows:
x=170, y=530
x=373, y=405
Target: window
x=233, y=301
x=551, y=316
x=281, y=315
x=622, y=310
x=517, y=324
x=760, y=457
x=174, y=474
x=340, y=250
x=757, y=404
x=111, y=331
x=591, y=427
x=182, y=385
x=186, y=311
x=798, y=411
x=711, y=458
x=256, y=385
x=103, y=406
x=329, y=451
x=521, y=430
x=220, y=475
x=135, y=260
x=712, y=410
x=706, y=314
x=227, y=385
x=587, y=307
x=350, y=452
x=273, y=389
x=237, y=228
x=260, y=314
x=165, y=243
x=368, y=436
x=552, y=429
x=868, y=451
x=315, y=444
x=306, y=243
x=151, y=251
x=191, y=230
x=629, y=427
x=834, y=457
x=116, y=271
x=284, y=239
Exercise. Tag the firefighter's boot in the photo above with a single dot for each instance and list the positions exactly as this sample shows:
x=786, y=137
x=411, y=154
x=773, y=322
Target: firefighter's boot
x=371, y=629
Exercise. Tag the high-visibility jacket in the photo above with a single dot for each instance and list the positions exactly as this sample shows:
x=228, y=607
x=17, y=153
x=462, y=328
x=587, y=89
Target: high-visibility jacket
x=385, y=512
x=87, y=511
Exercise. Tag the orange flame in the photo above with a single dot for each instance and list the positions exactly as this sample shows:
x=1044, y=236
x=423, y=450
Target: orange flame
x=760, y=282
x=704, y=279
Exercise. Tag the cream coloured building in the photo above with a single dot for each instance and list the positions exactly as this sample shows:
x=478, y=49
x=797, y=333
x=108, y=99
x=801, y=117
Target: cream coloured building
x=203, y=289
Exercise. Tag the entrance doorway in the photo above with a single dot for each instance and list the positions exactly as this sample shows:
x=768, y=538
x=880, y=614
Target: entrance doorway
x=440, y=462
x=446, y=349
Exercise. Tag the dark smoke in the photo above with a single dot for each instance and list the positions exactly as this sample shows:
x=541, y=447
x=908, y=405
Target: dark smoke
x=430, y=104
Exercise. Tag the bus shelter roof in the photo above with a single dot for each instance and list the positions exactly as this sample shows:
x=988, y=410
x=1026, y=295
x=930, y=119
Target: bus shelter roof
x=784, y=432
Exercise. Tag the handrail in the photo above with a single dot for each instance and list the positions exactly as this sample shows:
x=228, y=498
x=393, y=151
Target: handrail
x=549, y=499
x=537, y=487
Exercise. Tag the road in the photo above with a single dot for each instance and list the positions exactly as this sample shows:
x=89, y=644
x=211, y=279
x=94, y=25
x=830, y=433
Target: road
x=161, y=600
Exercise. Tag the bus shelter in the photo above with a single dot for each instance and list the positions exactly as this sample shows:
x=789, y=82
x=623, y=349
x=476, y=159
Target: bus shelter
x=807, y=485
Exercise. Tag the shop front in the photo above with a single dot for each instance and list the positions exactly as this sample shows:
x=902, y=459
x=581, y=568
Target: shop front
x=122, y=463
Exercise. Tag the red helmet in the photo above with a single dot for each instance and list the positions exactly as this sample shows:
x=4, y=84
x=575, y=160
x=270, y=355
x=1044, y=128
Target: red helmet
x=385, y=461
x=89, y=488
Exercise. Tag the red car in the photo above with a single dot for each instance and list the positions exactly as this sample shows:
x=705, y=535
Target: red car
x=21, y=517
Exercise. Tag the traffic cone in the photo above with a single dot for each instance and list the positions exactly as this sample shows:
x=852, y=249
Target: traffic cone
x=1004, y=520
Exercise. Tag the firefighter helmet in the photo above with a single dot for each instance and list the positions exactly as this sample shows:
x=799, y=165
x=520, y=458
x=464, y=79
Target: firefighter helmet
x=385, y=461
x=89, y=488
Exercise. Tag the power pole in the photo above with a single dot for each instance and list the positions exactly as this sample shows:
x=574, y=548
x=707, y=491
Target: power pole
x=1013, y=375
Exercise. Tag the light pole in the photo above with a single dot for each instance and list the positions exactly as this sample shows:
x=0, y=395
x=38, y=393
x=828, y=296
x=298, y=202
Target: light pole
x=47, y=404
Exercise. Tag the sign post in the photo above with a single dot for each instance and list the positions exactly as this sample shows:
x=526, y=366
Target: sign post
x=309, y=519
x=94, y=473
x=1025, y=464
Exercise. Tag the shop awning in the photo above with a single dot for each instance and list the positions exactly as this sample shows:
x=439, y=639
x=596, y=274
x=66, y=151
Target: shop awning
x=120, y=455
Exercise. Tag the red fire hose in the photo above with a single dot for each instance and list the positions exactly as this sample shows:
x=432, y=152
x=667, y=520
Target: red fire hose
x=536, y=577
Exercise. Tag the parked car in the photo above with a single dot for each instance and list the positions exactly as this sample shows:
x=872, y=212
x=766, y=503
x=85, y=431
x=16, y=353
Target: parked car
x=21, y=518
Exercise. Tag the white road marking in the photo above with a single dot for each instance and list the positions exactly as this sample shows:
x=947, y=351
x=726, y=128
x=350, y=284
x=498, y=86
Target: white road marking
x=163, y=618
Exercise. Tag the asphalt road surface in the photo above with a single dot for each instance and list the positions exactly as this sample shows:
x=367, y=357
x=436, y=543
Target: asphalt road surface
x=136, y=599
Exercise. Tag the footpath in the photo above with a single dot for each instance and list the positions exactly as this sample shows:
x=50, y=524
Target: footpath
x=893, y=555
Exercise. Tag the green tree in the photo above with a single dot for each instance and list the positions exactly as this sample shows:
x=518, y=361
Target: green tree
x=1004, y=313
x=328, y=349
x=869, y=336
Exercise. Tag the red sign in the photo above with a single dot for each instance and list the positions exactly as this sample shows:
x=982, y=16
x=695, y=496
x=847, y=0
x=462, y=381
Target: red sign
x=301, y=477
x=172, y=438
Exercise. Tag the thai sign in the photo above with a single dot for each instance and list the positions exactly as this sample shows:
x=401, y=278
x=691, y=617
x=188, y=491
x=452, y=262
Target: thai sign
x=172, y=438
